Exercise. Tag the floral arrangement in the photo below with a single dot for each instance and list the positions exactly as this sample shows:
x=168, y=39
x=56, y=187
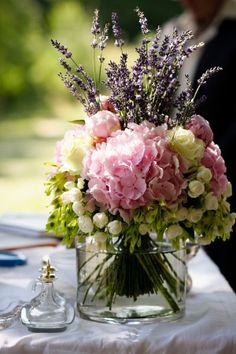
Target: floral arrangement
x=141, y=166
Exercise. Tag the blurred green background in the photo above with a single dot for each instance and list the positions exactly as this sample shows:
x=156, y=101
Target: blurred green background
x=34, y=105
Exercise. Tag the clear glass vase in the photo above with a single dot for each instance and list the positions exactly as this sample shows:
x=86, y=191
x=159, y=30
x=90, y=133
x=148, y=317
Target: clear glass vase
x=119, y=286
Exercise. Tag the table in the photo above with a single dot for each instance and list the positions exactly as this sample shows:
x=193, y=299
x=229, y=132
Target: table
x=209, y=326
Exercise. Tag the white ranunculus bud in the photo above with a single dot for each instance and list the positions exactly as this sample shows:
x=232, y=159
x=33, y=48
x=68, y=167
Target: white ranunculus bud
x=66, y=197
x=228, y=191
x=181, y=214
x=69, y=185
x=203, y=242
x=78, y=208
x=100, y=237
x=229, y=222
x=115, y=227
x=173, y=231
x=194, y=215
x=204, y=174
x=76, y=194
x=226, y=205
x=211, y=202
x=100, y=220
x=85, y=224
x=71, y=196
x=143, y=229
x=80, y=183
x=196, y=188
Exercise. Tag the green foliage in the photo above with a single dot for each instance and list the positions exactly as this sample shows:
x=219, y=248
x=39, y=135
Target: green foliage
x=20, y=28
x=157, y=12
x=62, y=220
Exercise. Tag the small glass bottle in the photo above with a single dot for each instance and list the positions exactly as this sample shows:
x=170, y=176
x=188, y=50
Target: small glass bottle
x=47, y=312
x=58, y=296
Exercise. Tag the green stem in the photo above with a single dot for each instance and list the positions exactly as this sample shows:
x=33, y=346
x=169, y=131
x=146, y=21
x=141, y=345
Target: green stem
x=133, y=274
x=94, y=68
x=153, y=274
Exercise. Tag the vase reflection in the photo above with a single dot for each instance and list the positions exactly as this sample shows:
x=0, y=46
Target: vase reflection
x=191, y=251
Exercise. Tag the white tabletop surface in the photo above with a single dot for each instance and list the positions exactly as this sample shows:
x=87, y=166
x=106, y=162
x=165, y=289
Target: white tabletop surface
x=209, y=326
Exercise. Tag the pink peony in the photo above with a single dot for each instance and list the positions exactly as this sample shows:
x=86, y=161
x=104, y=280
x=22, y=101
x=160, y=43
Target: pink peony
x=103, y=124
x=201, y=128
x=133, y=167
x=214, y=161
x=105, y=104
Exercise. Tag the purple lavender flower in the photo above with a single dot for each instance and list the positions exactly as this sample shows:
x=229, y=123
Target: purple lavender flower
x=147, y=91
x=104, y=37
x=96, y=29
x=65, y=65
x=142, y=21
x=207, y=74
x=61, y=48
x=119, y=42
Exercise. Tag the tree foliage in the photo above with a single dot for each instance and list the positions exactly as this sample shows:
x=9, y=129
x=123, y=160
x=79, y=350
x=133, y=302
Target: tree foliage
x=28, y=73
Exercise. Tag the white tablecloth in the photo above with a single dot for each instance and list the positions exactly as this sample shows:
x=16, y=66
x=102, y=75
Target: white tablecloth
x=209, y=326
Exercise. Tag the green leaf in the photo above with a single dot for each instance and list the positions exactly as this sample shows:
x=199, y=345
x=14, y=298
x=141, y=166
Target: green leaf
x=77, y=121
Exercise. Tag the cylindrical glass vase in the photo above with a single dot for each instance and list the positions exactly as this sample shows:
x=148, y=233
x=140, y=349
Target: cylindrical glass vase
x=119, y=286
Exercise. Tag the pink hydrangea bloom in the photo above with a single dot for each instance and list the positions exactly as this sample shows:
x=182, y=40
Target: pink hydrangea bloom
x=133, y=167
x=103, y=124
x=215, y=162
x=201, y=128
x=167, y=179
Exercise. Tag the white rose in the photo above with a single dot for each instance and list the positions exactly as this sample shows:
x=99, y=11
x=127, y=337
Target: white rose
x=181, y=214
x=194, y=215
x=173, y=231
x=211, y=202
x=85, y=224
x=187, y=145
x=100, y=220
x=115, y=227
x=204, y=174
x=73, y=152
x=196, y=188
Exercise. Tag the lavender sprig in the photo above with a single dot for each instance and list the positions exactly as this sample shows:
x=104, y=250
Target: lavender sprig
x=99, y=41
x=77, y=81
x=149, y=91
x=142, y=21
x=119, y=42
x=207, y=74
x=95, y=29
x=205, y=77
x=61, y=48
x=65, y=65
x=185, y=104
